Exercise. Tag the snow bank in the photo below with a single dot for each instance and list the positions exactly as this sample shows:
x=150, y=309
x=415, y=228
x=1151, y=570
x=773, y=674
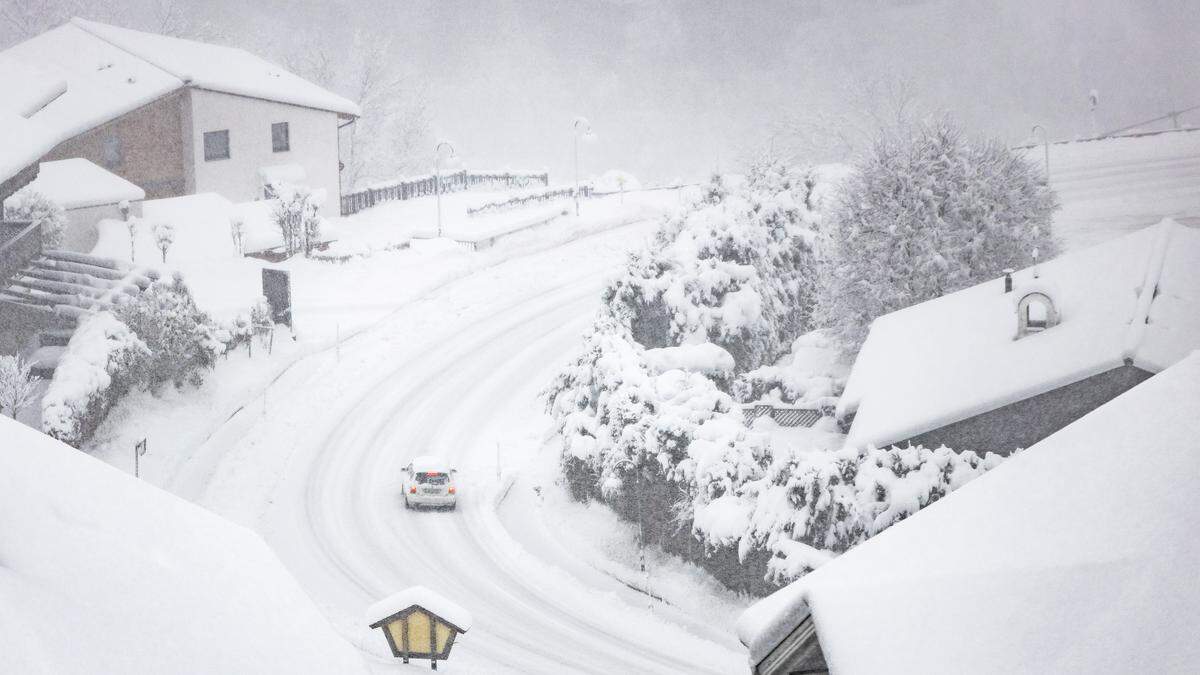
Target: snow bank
x=1075, y=556
x=615, y=180
x=423, y=597
x=103, y=573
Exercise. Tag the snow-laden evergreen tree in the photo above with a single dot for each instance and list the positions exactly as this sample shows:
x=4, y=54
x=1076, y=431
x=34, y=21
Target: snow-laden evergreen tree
x=182, y=340
x=926, y=212
x=18, y=388
x=31, y=205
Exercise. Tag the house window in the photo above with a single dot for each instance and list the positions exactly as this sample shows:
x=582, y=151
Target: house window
x=216, y=145
x=111, y=152
x=279, y=137
x=1035, y=313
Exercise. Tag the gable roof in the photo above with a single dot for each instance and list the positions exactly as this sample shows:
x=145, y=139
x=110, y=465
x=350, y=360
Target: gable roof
x=110, y=71
x=1077, y=555
x=1132, y=300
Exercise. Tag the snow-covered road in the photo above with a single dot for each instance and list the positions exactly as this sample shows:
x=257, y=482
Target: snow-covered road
x=453, y=375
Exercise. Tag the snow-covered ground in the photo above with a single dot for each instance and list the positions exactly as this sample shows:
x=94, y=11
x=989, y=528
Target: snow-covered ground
x=452, y=367
x=1114, y=186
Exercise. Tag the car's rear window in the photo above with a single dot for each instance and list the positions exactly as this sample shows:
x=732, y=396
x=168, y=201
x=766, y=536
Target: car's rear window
x=431, y=478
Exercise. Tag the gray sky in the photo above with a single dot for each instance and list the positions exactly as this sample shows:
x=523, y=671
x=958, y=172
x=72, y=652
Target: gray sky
x=673, y=87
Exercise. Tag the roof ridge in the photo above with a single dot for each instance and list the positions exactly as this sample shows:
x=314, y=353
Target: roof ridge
x=1154, y=269
x=82, y=24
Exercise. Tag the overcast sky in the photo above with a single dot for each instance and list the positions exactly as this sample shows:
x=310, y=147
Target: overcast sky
x=674, y=87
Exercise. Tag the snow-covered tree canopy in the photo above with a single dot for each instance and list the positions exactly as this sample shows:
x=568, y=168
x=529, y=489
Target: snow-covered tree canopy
x=33, y=206
x=927, y=211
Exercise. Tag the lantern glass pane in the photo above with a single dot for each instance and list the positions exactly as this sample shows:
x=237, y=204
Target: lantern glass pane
x=443, y=636
x=419, y=629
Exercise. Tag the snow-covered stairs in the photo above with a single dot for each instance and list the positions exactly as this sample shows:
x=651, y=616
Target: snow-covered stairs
x=71, y=285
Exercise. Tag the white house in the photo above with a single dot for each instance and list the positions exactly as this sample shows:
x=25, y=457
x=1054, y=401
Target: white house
x=993, y=369
x=1078, y=555
x=179, y=117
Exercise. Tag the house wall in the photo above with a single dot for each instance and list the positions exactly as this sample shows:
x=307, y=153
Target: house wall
x=1021, y=424
x=144, y=146
x=313, y=139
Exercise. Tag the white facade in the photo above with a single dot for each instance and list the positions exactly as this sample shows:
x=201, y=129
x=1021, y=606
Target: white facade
x=312, y=136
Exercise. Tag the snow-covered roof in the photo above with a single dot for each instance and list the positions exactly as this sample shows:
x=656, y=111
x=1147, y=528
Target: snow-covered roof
x=77, y=183
x=23, y=135
x=954, y=357
x=419, y=595
x=1076, y=555
x=103, y=573
x=110, y=71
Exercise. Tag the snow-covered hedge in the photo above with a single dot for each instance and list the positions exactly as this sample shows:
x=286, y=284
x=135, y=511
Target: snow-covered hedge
x=183, y=341
x=100, y=364
x=808, y=507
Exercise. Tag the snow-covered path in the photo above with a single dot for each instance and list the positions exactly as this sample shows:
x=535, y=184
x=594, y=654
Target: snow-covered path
x=451, y=375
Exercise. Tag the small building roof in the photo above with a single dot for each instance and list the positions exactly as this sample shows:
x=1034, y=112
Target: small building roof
x=110, y=71
x=444, y=608
x=78, y=183
x=1134, y=300
x=1073, y=556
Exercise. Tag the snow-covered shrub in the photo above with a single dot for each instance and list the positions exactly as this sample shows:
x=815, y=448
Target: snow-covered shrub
x=164, y=236
x=297, y=214
x=237, y=232
x=17, y=386
x=739, y=273
x=811, y=374
x=182, y=339
x=827, y=502
x=102, y=361
x=29, y=204
x=927, y=211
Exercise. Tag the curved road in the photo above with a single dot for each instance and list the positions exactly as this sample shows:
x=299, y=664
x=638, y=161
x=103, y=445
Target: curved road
x=337, y=520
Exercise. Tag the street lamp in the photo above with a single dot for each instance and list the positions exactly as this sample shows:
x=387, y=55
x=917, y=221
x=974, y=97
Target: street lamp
x=1046, y=143
x=581, y=127
x=437, y=169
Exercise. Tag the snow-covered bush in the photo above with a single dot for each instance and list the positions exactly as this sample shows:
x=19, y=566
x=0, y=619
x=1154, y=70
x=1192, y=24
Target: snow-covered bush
x=806, y=508
x=29, y=204
x=164, y=236
x=297, y=214
x=237, y=232
x=102, y=361
x=927, y=211
x=739, y=273
x=181, y=338
x=810, y=374
x=18, y=387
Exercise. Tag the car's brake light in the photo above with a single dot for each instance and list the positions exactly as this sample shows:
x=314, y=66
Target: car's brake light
x=451, y=490
x=412, y=490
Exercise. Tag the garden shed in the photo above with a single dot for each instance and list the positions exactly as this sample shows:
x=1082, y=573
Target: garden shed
x=89, y=194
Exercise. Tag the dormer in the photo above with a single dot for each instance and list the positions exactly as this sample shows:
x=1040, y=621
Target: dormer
x=1035, y=307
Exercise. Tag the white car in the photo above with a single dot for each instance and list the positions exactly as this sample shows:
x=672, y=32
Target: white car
x=429, y=481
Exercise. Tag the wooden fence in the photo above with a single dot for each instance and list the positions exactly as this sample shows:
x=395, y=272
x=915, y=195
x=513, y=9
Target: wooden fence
x=423, y=186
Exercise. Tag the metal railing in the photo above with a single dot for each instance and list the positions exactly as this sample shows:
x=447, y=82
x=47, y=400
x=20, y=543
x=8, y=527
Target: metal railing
x=20, y=243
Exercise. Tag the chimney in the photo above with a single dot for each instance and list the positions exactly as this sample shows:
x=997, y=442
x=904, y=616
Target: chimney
x=1008, y=272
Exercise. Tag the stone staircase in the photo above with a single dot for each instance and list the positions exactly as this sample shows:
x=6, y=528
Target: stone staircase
x=63, y=287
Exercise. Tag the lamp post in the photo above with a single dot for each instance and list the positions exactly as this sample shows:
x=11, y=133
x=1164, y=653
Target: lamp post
x=580, y=127
x=1046, y=143
x=437, y=170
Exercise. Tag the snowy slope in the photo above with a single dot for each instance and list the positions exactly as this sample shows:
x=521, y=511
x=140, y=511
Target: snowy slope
x=102, y=573
x=1114, y=186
